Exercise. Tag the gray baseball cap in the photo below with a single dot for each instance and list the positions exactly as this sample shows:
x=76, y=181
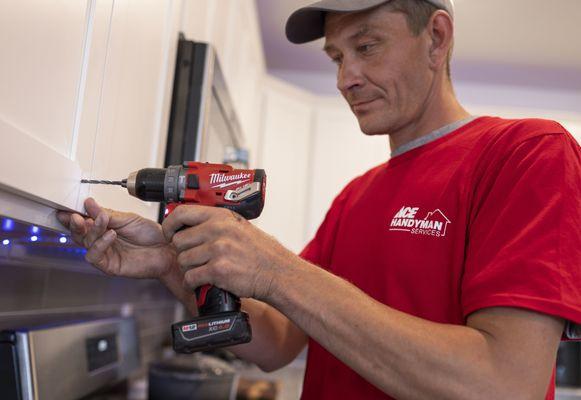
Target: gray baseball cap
x=308, y=23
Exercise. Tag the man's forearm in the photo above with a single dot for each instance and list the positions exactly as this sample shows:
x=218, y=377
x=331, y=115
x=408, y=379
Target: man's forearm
x=276, y=341
x=404, y=356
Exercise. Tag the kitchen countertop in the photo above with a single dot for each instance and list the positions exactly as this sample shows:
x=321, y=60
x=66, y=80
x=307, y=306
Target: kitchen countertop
x=288, y=381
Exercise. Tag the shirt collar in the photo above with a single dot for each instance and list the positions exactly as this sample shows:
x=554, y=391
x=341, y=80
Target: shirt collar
x=430, y=137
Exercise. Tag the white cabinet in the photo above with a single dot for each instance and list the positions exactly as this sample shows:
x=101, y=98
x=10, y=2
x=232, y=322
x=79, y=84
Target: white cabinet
x=85, y=92
x=136, y=97
x=53, y=57
x=285, y=154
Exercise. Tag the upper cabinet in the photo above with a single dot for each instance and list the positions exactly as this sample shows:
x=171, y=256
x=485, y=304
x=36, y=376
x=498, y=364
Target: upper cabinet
x=85, y=92
x=53, y=59
x=136, y=97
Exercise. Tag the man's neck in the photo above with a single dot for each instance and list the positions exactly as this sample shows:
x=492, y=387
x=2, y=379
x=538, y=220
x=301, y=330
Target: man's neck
x=441, y=111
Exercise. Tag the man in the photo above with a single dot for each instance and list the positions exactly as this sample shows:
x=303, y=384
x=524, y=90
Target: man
x=448, y=272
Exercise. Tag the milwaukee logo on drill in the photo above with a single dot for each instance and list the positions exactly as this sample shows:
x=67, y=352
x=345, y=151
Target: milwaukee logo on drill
x=433, y=224
x=224, y=180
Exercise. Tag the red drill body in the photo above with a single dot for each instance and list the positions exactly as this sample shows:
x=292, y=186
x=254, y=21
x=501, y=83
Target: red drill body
x=220, y=321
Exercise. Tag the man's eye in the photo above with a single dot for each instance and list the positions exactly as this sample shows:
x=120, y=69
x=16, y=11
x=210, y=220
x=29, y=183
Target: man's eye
x=336, y=60
x=364, y=48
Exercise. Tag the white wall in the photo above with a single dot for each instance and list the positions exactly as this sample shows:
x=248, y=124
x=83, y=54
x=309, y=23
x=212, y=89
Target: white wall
x=523, y=102
x=231, y=26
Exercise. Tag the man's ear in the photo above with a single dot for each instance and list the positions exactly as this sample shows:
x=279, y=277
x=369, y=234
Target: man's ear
x=441, y=32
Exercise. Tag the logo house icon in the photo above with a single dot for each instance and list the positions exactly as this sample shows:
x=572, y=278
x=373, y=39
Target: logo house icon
x=441, y=221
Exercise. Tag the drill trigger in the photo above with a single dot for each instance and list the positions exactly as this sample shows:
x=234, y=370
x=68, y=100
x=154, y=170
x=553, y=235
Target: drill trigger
x=203, y=293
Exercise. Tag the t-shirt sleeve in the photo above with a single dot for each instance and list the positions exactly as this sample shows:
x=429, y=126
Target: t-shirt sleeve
x=524, y=236
x=319, y=250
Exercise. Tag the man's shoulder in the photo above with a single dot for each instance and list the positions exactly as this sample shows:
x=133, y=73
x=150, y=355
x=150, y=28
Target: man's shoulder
x=493, y=138
x=514, y=131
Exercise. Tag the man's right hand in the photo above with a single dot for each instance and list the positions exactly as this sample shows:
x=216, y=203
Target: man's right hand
x=125, y=244
x=121, y=244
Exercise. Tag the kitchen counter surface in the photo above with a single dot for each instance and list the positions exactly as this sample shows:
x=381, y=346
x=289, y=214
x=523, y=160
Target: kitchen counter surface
x=288, y=382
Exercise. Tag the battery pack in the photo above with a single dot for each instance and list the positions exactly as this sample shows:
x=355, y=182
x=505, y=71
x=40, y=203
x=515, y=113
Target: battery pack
x=211, y=332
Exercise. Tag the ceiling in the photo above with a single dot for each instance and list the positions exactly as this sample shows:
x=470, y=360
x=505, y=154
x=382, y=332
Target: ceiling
x=519, y=42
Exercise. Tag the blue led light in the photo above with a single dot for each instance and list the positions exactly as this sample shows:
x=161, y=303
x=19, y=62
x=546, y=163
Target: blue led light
x=33, y=238
x=63, y=239
x=34, y=230
x=7, y=224
x=6, y=242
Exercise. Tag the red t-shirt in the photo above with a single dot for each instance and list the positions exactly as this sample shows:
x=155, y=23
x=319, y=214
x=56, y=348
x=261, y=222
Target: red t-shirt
x=488, y=215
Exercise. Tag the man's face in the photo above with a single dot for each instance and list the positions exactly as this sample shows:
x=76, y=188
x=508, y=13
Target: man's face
x=383, y=69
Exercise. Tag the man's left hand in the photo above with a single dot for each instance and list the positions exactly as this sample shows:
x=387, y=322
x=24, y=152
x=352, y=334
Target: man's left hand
x=219, y=247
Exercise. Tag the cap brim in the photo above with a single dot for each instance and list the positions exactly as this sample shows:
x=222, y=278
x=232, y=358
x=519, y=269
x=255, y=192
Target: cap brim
x=308, y=23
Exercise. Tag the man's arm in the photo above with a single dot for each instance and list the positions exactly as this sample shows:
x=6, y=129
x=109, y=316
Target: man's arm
x=502, y=353
x=124, y=244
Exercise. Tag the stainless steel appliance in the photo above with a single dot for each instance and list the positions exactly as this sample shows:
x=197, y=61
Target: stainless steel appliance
x=67, y=361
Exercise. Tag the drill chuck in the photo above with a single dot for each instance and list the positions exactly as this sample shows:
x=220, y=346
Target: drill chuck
x=147, y=184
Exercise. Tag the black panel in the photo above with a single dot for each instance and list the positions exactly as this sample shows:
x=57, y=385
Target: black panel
x=193, y=182
x=9, y=373
x=185, y=118
x=569, y=364
x=102, y=351
x=186, y=100
x=194, y=119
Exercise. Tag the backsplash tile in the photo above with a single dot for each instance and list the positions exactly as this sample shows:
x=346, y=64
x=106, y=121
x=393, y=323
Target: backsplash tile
x=21, y=288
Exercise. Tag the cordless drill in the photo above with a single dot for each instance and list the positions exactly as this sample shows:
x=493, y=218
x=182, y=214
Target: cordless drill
x=220, y=322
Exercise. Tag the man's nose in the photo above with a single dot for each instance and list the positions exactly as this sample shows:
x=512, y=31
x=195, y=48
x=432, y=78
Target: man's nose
x=349, y=75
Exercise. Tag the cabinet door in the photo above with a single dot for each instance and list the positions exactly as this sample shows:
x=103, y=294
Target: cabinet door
x=136, y=99
x=197, y=19
x=53, y=55
x=287, y=116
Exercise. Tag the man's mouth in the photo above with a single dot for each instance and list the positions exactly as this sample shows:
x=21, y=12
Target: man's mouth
x=359, y=105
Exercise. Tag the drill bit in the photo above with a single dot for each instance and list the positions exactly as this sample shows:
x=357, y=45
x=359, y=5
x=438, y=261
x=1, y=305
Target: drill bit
x=104, y=182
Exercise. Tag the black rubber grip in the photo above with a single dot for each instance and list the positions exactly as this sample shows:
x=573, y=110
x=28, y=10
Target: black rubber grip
x=149, y=184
